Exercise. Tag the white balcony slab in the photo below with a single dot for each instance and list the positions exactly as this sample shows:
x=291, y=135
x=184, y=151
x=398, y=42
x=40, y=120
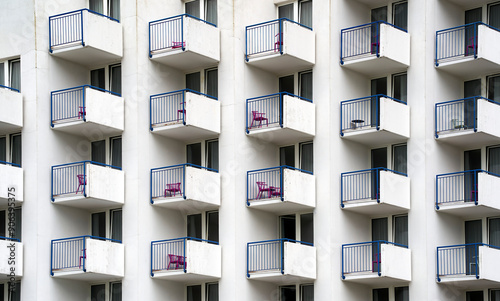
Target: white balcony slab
x=201, y=47
x=394, y=54
x=394, y=197
x=11, y=177
x=487, y=61
x=467, y=4
x=299, y=51
x=299, y=266
x=488, y=276
x=395, y=268
x=203, y=264
x=299, y=194
x=102, y=42
x=97, y=193
x=299, y=123
x=202, y=120
x=487, y=132
x=105, y=261
x=488, y=203
x=11, y=257
x=394, y=126
x=105, y=116
x=11, y=111
x=202, y=191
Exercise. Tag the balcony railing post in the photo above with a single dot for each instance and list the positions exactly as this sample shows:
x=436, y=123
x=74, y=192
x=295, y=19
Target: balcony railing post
x=183, y=44
x=282, y=255
x=282, y=171
x=52, y=258
x=377, y=37
x=280, y=36
x=81, y=27
x=183, y=107
x=151, y=261
x=184, y=254
x=475, y=44
x=475, y=114
x=84, y=255
x=85, y=179
x=379, y=259
x=476, y=247
x=437, y=261
x=281, y=107
x=184, y=181
x=476, y=187
x=437, y=190
x=377, y=111
x=84, y=109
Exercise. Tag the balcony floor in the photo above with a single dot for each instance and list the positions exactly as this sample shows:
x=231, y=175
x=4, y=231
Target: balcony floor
x=180, y=276
x=469, y=68
x=88, y=203
x=278, y=278
x=373, y=66
x=183, y=60
x=87, y=56
x=184, y=133
x=85, y=276
x=468, y=138
x=278, y=64
x=372, y=279
x=372, y=137
x=277, y=206
x=469, y=282
x=371, y=207
x=468, y=209
x=279, y=136
x=188, y=205
x=86, y=129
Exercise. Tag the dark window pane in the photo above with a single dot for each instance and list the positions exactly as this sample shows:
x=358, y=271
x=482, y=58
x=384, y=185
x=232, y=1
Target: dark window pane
x=213, y=154
x=401, y=230
x=400, y=158
x=116, y=79
x=193, y=81
x=15, y=74
x=287, y=156
x=116, y=224
x=307, y=228
x=114, y=9
x=98, y=293
x=379, y=14
x=99, y=224
x=193, y=8
x=305, y=13
x=474, y=296
x=379, y=229
x=400, y=87
x=96, y=5
x=2, y=225
x=194, y=293
x=2, y=74
x=194, y=226
x=286, y=11
x=14, y=292
x=401, y=15
x=495, y=295
x=473, y=87
x=493, y=88
x=494, y=160
x=116, y=151
x=193, y=153
x=16, y=149
x=286, y=84
x=287, y=225
x=212, y=291
x=97, y=78
x=473, y=15
x=494, y=15
x=306, y=85
x=213, y=226
x=494, y=231
x=307, y=292
x=381, y=294
x=18, y=223
x=211, y=11
x=212, y=82
x=307, y=156
x=3, y=149
x=288, y=293
x=116, y=291
x=402, y=293
x=99, y=151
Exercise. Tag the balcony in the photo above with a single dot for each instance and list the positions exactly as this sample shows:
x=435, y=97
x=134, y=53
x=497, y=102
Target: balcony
x=186, y=260
x=376, y=263
x=87, y=258
x=469, y=194
x=11, y=257
x=184, y=42
x=185, y=187
x=86, y=37
x=375, y=120
x=11, y=113
x=280, y=118
x=374, y=49
x=467, y=122
x=470, y=3
x=185, y=115
x=11, y=183
x=468, y=51
x=86, y=185
x=281, y=261
x=375, y=191
x=471, y=266
x=281, y=189
x=87, y=110
x=280, y=46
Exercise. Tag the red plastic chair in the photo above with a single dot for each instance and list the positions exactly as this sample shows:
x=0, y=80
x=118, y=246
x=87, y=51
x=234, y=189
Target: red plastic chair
x=375, y=45
x=376, y=262
x=471, y=45
x=176, y=45
x=474, y=194
x=82, y=257
x=182, y=111
x=279, y=41
x=262, y=189
x=177, y=260
x=258, y=117
x=274, y=191
x=82, y=181
x=173, y=188
x=81, y=112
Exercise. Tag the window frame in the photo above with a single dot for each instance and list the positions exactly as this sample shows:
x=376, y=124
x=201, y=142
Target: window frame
x=107, y=76
x=7, y=72
x=107, y=221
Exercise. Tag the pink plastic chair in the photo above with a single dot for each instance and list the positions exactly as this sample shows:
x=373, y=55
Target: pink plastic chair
x=176, y=45
x=177, y=260
x=81, y=112
x=376, y=262
x=279, y=41
x=82, y=257
x=262, y=189
x=173, y=188
x=274, y=191
x=182, y=111
x=82, y=181
x=258, y=117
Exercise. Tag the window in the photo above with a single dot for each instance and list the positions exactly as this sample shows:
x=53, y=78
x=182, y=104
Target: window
x=14, y=291
x=494, y=231
x=194, y=226
x=213, y=226
x=11, y=149
x=107, y=78
x=287, y=226
x=494, y=15
x=307, y=228
x=116, y=224
x=400, y=14
x=209, y=82
x=116, y=291
x=399, y=154
x=211, y=77
x=101, y=220
x=212, y=156
x=306, y=84
x=287, y=155
x=193, y=153
x=304, y=10
x=14, y=231
x=212, y=291
x=380, y=294
x=493, y=87
x=194, y=293
x=98, y=151
x=494, y=295
x=99, y=224
x=98, y=78
x=305, y=13
x=208, y=7
x=306, y=156
x=115, y=79
x=288, y=293
x=493, y=159
x=193, y=8
x=10, y=73
x=402, y=293
x=399, y=83
x=287, y=84
x=401, y=229
x=307, y=292
x=109, y=8
x=204, y=154
x=116, y=151
x=98, y=292
x=305, y=159
x=101, y=151
x=286, y=11
x=474, y=296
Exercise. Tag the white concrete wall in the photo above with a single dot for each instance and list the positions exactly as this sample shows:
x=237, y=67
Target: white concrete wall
x=202, y=112
x=105, y=183
x=489, y=265
x=202, y=185
x=11, y=113
x=488, y=41
x=395, y=262
x=488, y=190
x=394, y=44
x=104, y=257
x=487, y=116
x=299, y=42
x=394, y=117
x=299, y=260
x=9, y=262
x=104, y=108
x=102, y=33
x=394, y=189
x=11, y=176
x=299, y=115
x=299, y=187
x=203, y=258
x=202, y=38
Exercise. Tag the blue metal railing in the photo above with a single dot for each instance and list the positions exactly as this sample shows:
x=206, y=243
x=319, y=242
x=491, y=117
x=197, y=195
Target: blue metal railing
x=457, y=187
x=265, y=111
x=170, y=254
x=361, y=41
x=459, y=260
x=10, y=88
x=460, y=114
x=170, y=181
x=362, y=185
x=69, y=104
x=71, y=178
x=169, y=107
x=363, y=257
x=266, y=37
x=10, y=238
x=267, y=183
x=10, y=163
x=268, y=255
x=168, y=33
x=362, y=112
x=71, y=253
x=67, y=28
